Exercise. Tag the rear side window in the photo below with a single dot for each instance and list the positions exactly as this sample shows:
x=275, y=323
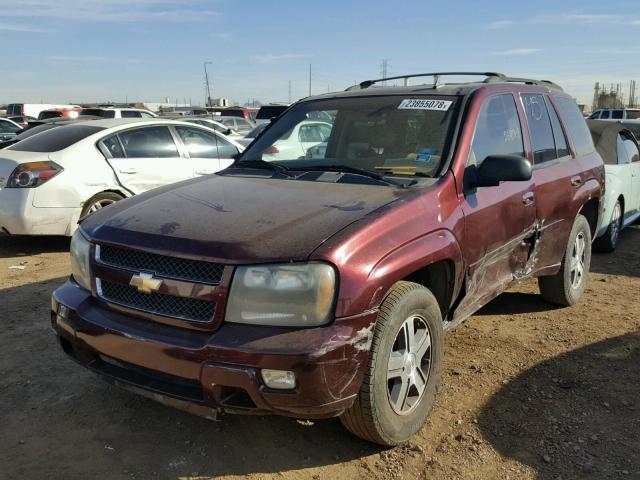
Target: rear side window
x=8, y=127
x=98, y=112
x=542, y=143
x=576, y=125
x=562, y=149
x=267, y=113
x=55, y=139
x=594, y=115
x=498, y=130
x=617, y=114
x=45, y=115
x=148, y=142
x=605, y=114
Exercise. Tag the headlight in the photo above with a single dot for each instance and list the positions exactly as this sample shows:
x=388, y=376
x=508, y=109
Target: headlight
x=80, y=252
x=299, y=295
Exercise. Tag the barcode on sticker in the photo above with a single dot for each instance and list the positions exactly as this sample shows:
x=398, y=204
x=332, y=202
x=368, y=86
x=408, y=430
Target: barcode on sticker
x=424, y=104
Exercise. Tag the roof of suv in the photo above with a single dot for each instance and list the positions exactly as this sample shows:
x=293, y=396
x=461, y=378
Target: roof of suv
x=491, y=79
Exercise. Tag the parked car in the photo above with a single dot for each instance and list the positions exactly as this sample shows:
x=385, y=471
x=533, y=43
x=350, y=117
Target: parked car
x=269, y=112
x=237, y=124
x=215, y=125
x=323, y=287
x=299, y=140
x=619, y=150
x=31, y=109
x=22, y=121
x=41, y=126
x=111, y=112
x=50, y=180
x=251, y=136
x=248, y=113
x=616, y=114
x=69, y=112
x=8, y=129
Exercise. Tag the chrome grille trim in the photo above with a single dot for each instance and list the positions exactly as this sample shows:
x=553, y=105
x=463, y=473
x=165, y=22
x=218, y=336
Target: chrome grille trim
x=175, y=268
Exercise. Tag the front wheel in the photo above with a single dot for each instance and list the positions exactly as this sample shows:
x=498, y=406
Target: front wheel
x=566, y=287
x=404, y=368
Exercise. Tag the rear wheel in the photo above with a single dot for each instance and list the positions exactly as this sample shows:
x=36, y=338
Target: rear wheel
x=99, y=201
x=566, y=287
x=609, y=241
x=404, y=368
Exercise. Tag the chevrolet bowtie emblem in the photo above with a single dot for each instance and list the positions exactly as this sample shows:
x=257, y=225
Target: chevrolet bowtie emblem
x=145, y=283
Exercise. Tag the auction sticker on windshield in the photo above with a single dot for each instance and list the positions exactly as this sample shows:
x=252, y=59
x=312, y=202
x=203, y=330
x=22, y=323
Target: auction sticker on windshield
x=424, y=104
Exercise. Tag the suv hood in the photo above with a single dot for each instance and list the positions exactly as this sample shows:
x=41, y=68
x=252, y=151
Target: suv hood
x=237, y=219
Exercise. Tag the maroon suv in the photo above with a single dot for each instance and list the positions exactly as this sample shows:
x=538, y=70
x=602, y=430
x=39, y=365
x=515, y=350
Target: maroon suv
x=319, y=281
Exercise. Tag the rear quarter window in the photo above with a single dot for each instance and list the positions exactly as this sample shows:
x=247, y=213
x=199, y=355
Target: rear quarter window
x=55, y=139
x=576, y=126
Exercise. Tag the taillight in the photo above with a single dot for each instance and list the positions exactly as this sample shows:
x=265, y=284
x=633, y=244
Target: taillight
x=33, y=174
x=272, y=150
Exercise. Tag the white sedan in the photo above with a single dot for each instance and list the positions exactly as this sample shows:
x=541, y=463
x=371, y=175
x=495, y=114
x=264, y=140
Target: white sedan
x=619, y=150
x=50, y=180
x=298, y=141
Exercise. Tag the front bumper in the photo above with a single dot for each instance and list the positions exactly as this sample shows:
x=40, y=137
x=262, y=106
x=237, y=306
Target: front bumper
x=18, y=216
x=204, y=372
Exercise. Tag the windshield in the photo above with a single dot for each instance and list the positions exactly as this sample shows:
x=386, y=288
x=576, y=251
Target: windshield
x=387, y=135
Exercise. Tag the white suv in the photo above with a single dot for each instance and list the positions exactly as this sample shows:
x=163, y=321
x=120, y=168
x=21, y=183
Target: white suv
x=616, y=114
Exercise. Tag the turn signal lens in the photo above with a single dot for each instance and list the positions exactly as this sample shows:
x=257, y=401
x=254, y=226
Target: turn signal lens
x=33, y=174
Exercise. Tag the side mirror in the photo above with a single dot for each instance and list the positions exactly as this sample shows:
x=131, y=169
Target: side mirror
x=228, y=132
x=501, y=168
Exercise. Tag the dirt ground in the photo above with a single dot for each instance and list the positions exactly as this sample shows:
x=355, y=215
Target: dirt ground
x=529, y=391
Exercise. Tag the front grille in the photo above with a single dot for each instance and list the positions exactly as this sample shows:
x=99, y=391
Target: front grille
x=172, y=267
x=157, y=303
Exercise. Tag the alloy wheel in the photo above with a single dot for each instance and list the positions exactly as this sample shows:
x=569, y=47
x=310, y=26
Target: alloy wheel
x=576, y=267
x=409, y=365
x=615, y=223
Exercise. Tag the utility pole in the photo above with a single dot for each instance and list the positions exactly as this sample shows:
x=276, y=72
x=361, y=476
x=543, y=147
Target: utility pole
x=383, y=70
x=206, y=82
x=309, y=79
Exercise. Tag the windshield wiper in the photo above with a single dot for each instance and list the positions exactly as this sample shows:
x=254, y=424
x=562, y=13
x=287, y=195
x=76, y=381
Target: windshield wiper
x=355, y=171
x=276, y=167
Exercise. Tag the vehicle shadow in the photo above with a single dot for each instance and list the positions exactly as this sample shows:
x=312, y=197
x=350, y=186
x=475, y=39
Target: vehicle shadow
x=19, y=245
x=48, y=400
x=510, y=303
x=626, y=258
x=573, y=416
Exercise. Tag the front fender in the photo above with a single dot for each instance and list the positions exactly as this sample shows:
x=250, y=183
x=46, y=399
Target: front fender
x=411, y=257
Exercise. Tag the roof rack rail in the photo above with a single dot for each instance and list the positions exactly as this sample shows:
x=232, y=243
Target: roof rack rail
x=490, y=77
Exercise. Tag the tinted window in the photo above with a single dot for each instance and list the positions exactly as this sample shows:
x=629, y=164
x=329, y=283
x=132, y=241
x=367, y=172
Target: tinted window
x=268, y=112
x=256, y=131
x=633, y=114
x=146, y=115
x=576, y=125
x=14, y=109
x=53, y=114
x=130, y=114
x=617, y=114
x=55, y=139
x=232, y=113
x=199, y=144
x=228, y=122
x=594, y=115
x=542, y=144
x=562, y=150
x=605, y=114
x=498, y=130
x=98, y=112
x=112, y=144
x=8, y=127
x=148, y=142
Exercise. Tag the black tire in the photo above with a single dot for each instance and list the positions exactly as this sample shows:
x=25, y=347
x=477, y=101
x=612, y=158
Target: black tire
x=103, y=198
x=563, y=288
x=372, y=416
x=608, y=242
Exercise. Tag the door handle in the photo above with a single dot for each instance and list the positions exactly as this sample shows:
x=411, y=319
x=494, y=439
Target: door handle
x=128, y=170
x=528, y=198
x=576, y=181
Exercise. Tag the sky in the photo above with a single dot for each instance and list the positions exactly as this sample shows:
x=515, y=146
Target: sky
x=147, y=50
